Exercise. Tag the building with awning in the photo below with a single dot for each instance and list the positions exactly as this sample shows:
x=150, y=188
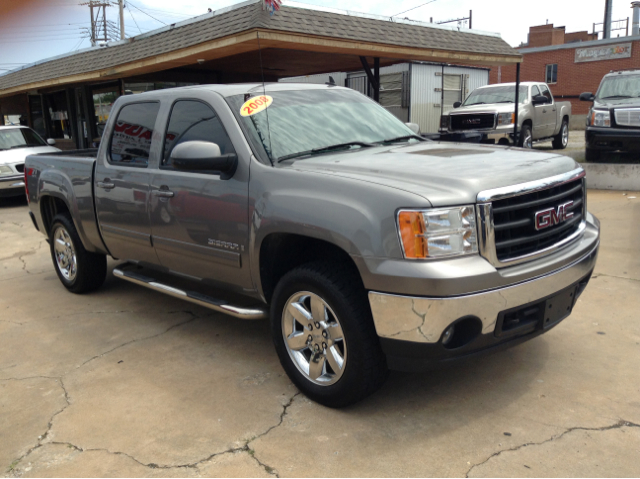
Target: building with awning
x=69, y=97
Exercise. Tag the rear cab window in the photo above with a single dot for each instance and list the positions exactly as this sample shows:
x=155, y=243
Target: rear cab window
x=130, y=143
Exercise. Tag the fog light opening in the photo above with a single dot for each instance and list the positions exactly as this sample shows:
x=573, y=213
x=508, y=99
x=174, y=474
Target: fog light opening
x=447, y=336
x=461, y=333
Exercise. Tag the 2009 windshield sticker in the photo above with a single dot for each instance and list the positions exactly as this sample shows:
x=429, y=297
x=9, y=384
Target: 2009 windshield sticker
x=255, y=105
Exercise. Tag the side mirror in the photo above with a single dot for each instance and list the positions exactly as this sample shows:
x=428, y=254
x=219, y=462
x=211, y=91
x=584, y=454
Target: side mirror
x=203, y=156
x=457, y=104
x=51, y=141
x=588, y=96
x=414, y=127
x=539, y=100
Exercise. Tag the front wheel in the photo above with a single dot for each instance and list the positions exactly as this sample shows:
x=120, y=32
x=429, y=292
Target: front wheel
x=561, y=140
x=526, y=137
x=324, y=334
x=79, y=270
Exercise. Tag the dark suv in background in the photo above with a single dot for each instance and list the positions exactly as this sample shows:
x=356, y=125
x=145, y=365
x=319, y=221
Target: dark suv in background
x=613, y=123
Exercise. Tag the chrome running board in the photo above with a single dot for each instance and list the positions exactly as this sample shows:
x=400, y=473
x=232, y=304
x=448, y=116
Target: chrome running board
x=191, y=296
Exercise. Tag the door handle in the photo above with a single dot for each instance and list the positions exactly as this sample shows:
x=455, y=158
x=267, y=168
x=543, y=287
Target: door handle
x=106, y=184
x=162, y=193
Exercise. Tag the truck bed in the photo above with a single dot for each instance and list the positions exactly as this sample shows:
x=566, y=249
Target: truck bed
x=65, y=176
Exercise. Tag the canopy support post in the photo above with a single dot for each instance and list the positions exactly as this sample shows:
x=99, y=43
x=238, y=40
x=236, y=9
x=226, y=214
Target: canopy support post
x=374, y=78
x=515, y=123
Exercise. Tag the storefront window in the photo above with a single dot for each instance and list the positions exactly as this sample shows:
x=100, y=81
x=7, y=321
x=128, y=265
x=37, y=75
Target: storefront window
x=59, y=115
x=103, y=100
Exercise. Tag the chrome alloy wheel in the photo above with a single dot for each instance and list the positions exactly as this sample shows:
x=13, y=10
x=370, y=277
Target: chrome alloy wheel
x=565, y=135
x=527, y=141
x=314, y=339
x=65, y=254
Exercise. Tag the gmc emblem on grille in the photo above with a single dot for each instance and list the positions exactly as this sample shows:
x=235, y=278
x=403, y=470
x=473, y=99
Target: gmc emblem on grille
x=472, y=121
x=552, y=216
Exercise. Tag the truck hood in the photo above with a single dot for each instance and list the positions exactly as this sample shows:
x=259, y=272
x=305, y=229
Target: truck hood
x=445, y=174
x=9, y=157
x=489, y=107
x=619, y=103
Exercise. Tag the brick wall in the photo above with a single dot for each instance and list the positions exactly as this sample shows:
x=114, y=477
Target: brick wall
x=573, y=78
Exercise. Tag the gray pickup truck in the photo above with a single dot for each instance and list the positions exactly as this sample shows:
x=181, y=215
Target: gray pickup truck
x=490, y=110
x=368, y=247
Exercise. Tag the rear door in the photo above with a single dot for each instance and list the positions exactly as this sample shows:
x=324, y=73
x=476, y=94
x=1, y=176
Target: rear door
x=122, y=183
x=200, y=220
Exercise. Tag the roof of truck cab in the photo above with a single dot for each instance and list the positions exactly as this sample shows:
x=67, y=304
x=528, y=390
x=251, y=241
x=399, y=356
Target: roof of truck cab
x=524, y=83
x=241, y=88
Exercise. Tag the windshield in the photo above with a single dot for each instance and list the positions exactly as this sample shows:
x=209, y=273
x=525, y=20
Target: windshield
x=19, y=138
x=620, y=86
x=496, y=94
x=300, y=121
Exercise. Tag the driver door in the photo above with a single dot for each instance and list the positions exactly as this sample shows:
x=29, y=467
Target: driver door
x=200, y=220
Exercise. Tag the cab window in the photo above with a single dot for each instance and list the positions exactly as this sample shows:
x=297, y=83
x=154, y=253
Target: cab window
x=131, y=139
x=193, y=120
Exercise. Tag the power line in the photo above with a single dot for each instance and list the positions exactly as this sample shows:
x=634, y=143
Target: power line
x=169, y=13
x=150, y=16
x=134, y=20
x=427, y=3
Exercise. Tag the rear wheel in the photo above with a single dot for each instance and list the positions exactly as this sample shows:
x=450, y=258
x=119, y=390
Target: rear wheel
x=561, y=140
x=324, y=334
x=526, y=137
x=79, y=270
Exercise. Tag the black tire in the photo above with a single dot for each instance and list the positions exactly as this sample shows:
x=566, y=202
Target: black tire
x=592, y=155
x=558, y=140
x=365, y=366
x=525, y=132
x=91, y=268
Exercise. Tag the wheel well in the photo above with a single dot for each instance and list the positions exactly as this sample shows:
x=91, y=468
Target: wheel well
x=566, y=117
x=280, y=253
x=50, y=206
x=527, y=122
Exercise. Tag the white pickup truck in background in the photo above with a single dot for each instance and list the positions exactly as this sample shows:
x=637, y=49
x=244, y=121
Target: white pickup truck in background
x=490, y=110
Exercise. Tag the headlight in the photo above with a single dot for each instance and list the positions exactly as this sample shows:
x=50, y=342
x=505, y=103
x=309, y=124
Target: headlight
x=444, y=121
x=438, y=233
x=600, y=118
x=506, y=119
x=5, y=170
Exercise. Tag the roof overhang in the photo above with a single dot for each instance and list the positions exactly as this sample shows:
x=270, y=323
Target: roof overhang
x=294, y=42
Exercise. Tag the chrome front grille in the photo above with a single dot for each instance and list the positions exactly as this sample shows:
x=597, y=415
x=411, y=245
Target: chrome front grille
x=628, y=117
x=473, y=121
x=528, y=221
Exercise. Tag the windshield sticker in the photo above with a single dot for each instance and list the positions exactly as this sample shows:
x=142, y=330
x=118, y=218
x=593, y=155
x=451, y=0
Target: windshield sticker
x=255, y=105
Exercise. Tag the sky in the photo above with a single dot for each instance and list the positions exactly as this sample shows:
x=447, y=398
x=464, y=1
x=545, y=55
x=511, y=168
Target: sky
x=32, y=30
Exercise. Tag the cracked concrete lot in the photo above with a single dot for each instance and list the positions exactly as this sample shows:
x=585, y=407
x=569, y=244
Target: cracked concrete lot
x=128, y=382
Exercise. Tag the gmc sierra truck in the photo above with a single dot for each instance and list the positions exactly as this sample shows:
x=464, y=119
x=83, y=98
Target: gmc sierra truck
x=368, y=247
x=490, y=110
x=613, y=122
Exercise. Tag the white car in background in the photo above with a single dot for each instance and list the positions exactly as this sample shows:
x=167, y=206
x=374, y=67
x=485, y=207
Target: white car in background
x=16, y=143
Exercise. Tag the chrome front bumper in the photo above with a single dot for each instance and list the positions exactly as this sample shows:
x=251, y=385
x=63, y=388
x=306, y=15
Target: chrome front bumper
x=13, y=182
x=424, y=319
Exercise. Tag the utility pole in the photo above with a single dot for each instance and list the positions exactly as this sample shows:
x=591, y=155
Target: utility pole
x=121, y=6
x=95, y=8
x=608, y=6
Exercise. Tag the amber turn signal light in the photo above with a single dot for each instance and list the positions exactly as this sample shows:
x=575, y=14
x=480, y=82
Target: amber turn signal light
x=412, y=231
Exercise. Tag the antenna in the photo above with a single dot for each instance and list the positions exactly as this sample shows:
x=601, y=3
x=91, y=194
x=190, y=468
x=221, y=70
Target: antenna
x=264, y=92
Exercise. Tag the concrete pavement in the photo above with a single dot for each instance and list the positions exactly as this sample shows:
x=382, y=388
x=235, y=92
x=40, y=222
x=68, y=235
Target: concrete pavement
x=128, y=382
